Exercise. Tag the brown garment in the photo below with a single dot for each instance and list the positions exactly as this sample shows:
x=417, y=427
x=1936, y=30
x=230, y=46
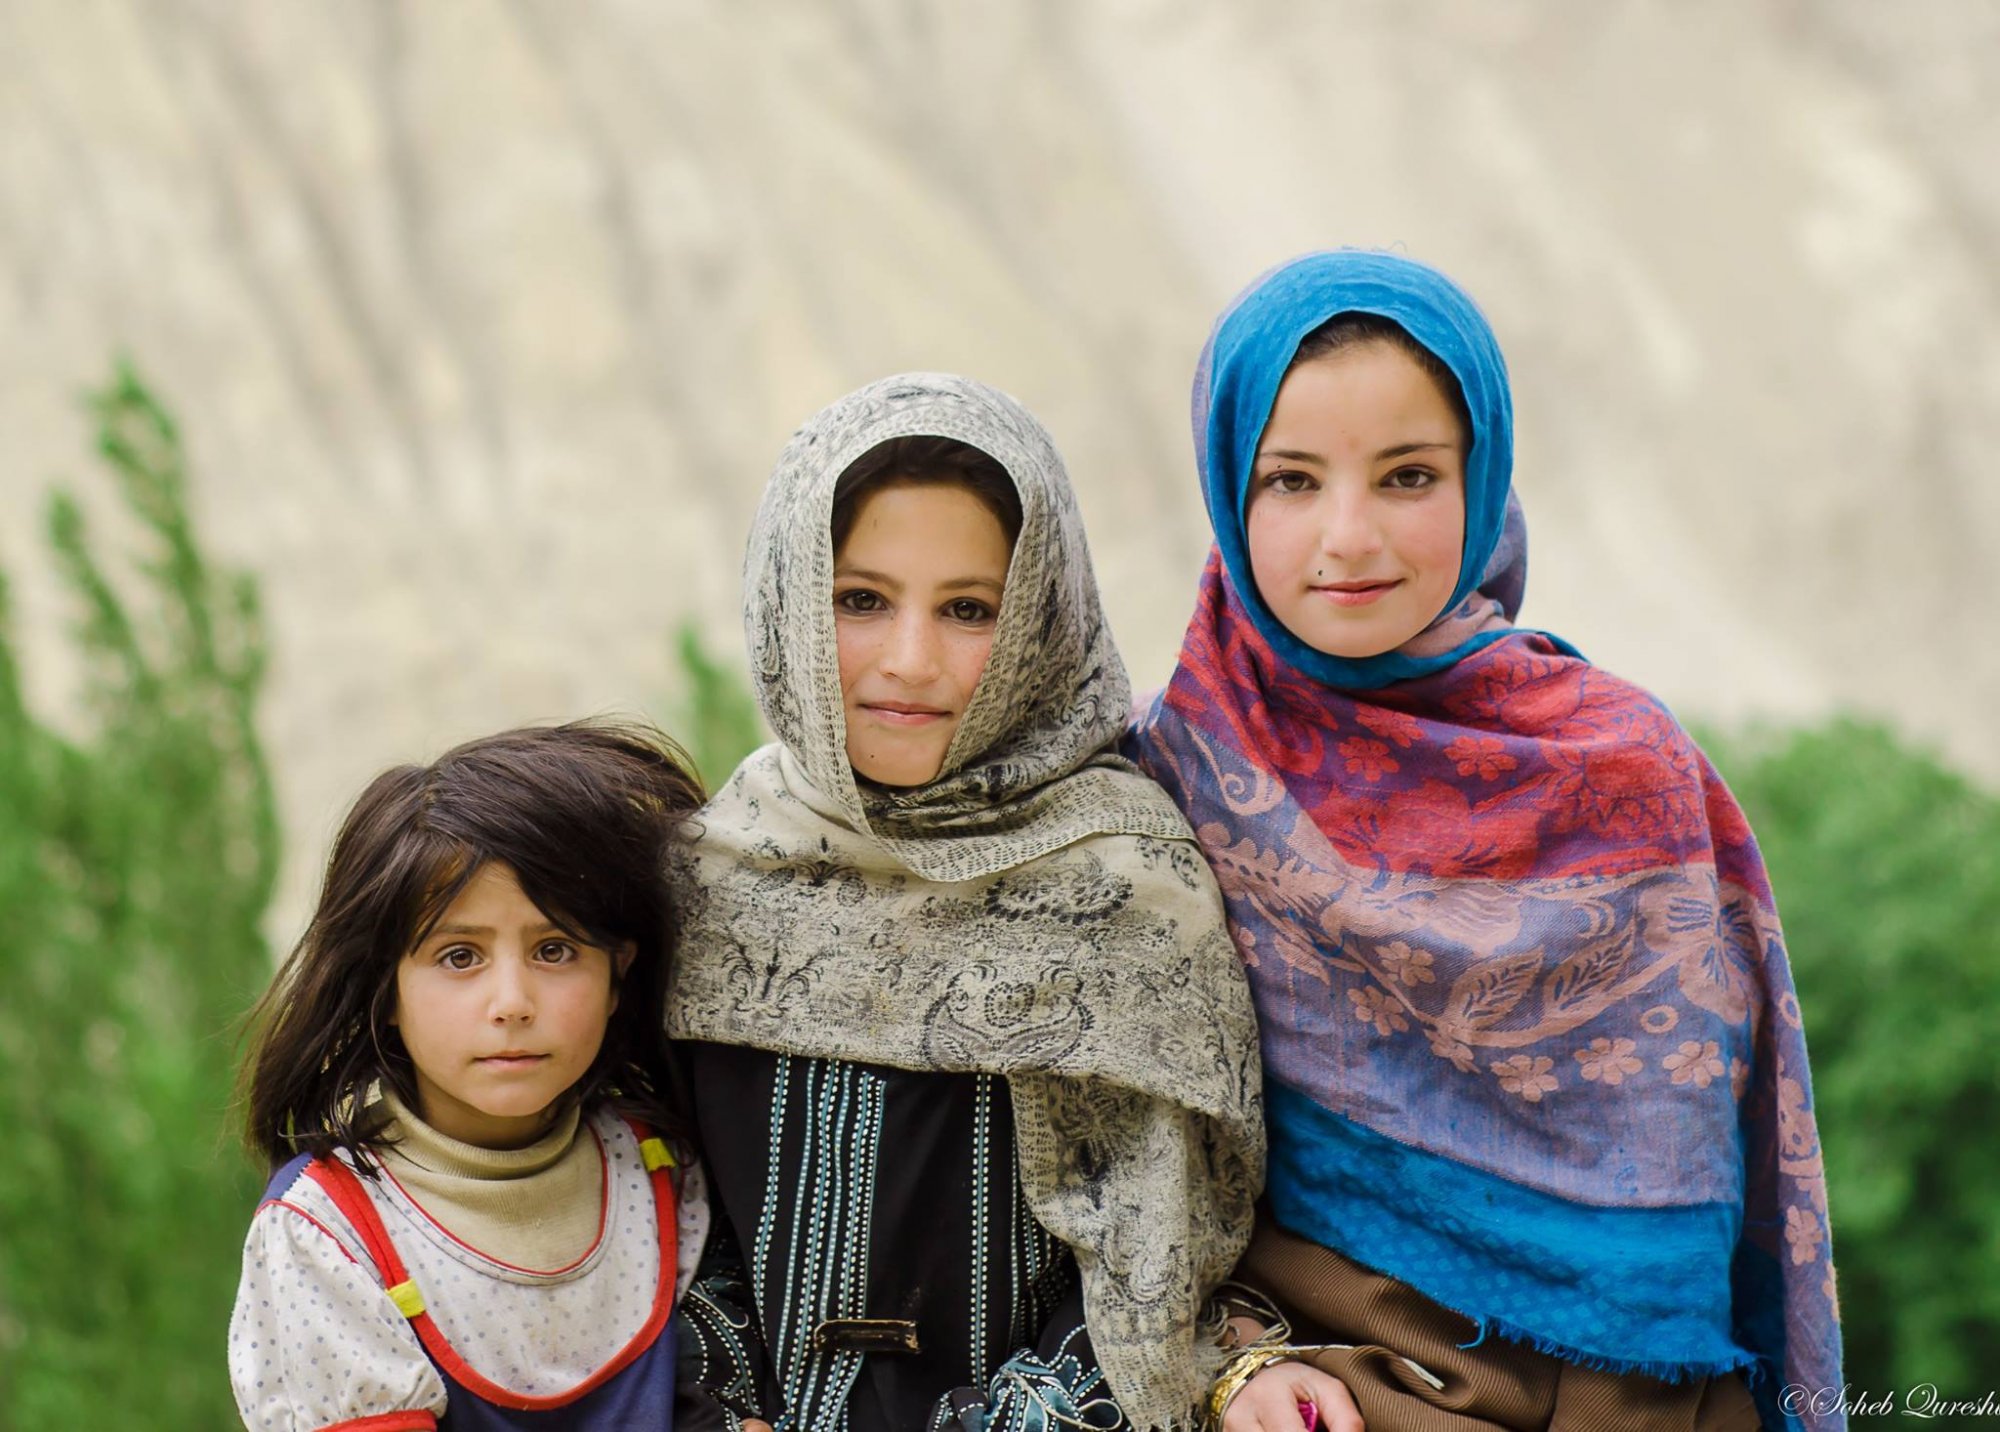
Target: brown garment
x=1497, y=1386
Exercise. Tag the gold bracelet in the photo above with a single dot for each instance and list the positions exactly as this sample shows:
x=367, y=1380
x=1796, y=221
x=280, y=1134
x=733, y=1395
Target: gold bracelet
x=1238, y=1372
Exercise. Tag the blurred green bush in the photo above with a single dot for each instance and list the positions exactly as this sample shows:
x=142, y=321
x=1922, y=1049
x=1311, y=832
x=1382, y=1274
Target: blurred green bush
x=714, y=716
x=1887, y=870
x=135, y=865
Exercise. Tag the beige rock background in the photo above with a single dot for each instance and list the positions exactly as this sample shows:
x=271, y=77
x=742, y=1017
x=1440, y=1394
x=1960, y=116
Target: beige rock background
x=485, y=317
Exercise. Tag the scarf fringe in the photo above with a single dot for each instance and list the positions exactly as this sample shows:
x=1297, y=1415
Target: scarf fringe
x=1669, y=1372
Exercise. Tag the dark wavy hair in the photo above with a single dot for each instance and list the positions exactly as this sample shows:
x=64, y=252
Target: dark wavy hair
x=591, y=817
x=924, y=461
x=1353, y=330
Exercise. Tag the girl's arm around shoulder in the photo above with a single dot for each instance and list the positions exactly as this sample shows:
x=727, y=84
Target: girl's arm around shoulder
x=724, y=1374
x=314, y=1342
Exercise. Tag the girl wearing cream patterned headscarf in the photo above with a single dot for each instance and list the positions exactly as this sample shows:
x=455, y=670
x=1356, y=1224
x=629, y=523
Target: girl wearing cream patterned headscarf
x=975, y=1057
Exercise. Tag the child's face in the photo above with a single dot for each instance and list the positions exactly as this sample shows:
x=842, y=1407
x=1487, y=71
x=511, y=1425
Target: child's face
x=916, y=594
x=501, y=1012
x=1356, y=512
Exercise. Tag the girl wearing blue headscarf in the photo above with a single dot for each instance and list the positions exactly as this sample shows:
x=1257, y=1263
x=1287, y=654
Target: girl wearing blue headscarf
x=1542, y=1149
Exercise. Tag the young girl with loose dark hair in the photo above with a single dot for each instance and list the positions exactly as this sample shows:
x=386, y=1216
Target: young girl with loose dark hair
x=482, y=1212
x=1542, y=1147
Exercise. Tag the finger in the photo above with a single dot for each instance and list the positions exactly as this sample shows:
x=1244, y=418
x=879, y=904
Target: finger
x=1337, y=1412
x=1271, y=1401
x=1251, y=1410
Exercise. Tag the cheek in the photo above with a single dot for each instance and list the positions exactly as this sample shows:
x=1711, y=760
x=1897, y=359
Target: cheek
x=853, y=647
x=588, y=1013
x=417, y=1013
x=401, y=1002
x=593, y=1024
x=968, y=659
x=1273, y=545
x=1437, y=541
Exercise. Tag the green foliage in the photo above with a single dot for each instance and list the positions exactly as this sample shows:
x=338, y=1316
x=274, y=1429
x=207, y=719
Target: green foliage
x=135, y=866
x=1887, y=868
x=715, y=716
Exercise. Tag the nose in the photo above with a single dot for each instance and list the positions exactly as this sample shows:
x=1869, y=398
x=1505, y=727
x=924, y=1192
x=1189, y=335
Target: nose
x=1348, y=529
x=912, y=654
x=509, y=999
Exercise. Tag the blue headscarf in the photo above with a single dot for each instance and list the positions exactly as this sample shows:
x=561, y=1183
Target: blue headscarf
x=1237, y=381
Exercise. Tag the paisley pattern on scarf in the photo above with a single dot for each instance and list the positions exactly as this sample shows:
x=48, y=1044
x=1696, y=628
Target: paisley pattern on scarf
x=1529, y=1031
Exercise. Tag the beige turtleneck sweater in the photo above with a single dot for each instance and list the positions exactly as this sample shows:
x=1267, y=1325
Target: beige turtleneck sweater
x=538, y=1208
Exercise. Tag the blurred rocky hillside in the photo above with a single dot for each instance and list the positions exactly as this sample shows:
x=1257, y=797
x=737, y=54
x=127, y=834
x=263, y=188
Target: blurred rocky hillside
x=486, y=317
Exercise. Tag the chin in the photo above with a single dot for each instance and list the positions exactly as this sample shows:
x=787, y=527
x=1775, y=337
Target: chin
x=1351, y=650
x=897, y=778
x=901, y=770
x=527, y=1109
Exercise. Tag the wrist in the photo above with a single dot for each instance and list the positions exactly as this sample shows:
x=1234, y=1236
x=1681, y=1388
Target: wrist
x=1243, y=1331
x=1236, y=1375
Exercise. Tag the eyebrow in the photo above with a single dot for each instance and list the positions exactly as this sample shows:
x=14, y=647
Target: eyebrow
x=883, y=579
x=437, y=930
x=1400, y=450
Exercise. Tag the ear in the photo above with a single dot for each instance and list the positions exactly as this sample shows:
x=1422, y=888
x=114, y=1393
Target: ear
x=396, y=999
x=621, y=962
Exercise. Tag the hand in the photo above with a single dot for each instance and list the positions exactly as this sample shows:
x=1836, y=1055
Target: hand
x=1241, y=1331
x=1269, y=1402
x=751, y=1424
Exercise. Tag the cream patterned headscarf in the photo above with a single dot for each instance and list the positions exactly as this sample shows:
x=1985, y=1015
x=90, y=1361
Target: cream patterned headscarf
x=1038, y=911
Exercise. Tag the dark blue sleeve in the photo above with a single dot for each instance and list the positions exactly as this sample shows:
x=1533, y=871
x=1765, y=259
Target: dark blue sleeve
x=1054, y=1385
x=722, y=1373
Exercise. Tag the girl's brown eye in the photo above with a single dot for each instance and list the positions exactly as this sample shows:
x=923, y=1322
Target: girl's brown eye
x=458, y=957
x=859, y=601
x=967, y=610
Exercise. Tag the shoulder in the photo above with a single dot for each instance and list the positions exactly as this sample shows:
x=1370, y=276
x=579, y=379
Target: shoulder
x=634, y=1149
x=1526, y=689
x=300, y=1217
x=633, y=1153
x=1154, y=902
x=1599, y=757
x=1528, y=683
x=314, y=1339
x=1156, y=868
x=755, y=771
x=304, y=1248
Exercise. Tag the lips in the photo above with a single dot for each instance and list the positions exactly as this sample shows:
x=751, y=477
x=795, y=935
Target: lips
x=1356, y=594
x=511, y=1059
x=901, y=713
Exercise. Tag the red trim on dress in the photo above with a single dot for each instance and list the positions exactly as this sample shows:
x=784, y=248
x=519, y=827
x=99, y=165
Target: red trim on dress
x=603, y=1208
x=343, y=1186
x=386, y=1422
